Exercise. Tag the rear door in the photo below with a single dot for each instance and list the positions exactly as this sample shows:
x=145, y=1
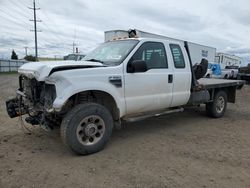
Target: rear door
x=182, y=74
x=150, y=90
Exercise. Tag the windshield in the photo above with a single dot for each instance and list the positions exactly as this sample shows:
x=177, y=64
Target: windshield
x=111, y=53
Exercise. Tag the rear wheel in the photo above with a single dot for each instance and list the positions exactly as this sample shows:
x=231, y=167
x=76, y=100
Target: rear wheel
x=218, y=107
x=87, y=128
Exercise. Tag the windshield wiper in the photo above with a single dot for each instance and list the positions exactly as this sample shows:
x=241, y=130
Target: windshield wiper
x=95, y=60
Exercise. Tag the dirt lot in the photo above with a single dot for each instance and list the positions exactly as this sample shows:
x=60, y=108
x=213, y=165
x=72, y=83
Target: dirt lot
x=181, y=150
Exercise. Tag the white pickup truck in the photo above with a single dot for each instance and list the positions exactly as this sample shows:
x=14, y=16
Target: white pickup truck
x=125, y=79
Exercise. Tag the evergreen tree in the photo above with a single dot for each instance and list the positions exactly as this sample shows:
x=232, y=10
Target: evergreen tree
x=14, y=55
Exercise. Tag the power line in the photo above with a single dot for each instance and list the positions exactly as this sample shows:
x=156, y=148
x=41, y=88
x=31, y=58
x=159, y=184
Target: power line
x=18, y=22
x=55, y=34
x=15, y=17
x=18, y=8
x=12, y=19
x=54, y=25
x=52, y=34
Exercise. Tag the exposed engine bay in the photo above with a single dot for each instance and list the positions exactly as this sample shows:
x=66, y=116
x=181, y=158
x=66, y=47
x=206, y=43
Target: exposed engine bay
x=33, y=99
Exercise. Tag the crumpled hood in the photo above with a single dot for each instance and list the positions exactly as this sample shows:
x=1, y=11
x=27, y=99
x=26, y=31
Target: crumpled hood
x=40, y=70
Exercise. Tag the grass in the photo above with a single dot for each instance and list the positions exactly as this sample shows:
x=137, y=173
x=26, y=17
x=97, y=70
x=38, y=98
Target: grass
x=11, y=72
x=49, y=59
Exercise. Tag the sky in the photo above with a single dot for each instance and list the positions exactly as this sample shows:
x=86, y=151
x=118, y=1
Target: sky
x=223, y=24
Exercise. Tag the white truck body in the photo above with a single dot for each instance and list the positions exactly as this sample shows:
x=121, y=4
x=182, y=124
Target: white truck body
x=128, y=99
x=127, y=79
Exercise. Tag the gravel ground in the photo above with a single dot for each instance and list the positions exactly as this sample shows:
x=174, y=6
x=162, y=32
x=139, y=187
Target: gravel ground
x=180, y=150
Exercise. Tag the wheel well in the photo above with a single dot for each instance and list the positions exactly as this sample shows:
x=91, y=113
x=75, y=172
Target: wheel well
x=230, y=92
x=95, y=96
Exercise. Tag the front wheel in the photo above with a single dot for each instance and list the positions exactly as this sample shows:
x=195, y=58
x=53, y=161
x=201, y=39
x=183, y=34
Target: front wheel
x=218, y=107
x=87, y=128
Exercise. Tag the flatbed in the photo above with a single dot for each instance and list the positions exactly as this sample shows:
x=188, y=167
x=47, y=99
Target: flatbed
x=211, y=83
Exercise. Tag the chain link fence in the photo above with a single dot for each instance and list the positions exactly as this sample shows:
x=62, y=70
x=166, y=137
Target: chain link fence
x=10, y=65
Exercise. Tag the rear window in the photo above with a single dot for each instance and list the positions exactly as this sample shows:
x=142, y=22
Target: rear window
x=177, y=56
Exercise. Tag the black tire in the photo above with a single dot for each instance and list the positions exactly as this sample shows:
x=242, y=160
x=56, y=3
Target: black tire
x=218, y=107
x=80, y=128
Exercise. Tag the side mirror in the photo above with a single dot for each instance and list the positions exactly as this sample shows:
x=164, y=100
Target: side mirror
x=137, y=66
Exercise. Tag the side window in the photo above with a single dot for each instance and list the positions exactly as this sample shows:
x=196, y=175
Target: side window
x=177, y=56
x=153, y=53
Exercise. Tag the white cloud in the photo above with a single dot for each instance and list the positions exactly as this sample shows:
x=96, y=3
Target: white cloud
x=222, y=24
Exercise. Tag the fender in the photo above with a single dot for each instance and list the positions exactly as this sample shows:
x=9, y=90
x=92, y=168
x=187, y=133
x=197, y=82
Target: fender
x=65, y=90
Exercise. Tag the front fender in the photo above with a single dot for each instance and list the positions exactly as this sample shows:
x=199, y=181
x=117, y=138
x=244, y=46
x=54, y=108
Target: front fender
x=69, y=88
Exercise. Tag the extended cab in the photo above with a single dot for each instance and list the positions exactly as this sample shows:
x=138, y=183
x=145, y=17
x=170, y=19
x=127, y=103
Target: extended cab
x=127, y=79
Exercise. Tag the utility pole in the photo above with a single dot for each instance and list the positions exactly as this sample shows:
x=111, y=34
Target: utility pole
x=35, y=29
x=26, y=50
x=74, y=44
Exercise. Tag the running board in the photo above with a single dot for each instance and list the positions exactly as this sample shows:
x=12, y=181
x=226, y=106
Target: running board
x=145, y=116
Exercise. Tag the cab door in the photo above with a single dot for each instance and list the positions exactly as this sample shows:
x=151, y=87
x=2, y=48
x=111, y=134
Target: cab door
x=182, y=74
x=152, y=89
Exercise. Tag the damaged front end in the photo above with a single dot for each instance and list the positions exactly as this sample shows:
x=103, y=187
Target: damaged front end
x=33, y=99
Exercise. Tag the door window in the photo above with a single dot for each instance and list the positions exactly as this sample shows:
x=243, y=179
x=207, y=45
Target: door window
x=153, y=53
x=177, y=56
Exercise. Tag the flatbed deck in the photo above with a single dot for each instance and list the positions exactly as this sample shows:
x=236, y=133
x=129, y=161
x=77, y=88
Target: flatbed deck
x=210, y=83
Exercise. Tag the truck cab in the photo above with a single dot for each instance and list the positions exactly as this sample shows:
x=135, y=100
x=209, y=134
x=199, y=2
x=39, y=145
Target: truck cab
x=167, y=76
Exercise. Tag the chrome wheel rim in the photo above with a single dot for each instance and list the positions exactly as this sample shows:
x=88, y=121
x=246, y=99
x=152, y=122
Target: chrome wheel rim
x=90, y=130
x=220, y=104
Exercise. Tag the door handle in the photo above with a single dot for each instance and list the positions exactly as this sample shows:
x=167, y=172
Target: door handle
x=170, y=78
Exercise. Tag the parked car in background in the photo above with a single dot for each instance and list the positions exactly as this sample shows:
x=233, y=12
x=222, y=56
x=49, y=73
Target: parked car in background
x=213, y=71
x=74, y=57
x=216, y=71
x=232, y=72
x=244, y=73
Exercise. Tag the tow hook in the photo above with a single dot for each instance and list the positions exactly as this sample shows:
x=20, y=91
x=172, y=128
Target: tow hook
x=15, y=107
